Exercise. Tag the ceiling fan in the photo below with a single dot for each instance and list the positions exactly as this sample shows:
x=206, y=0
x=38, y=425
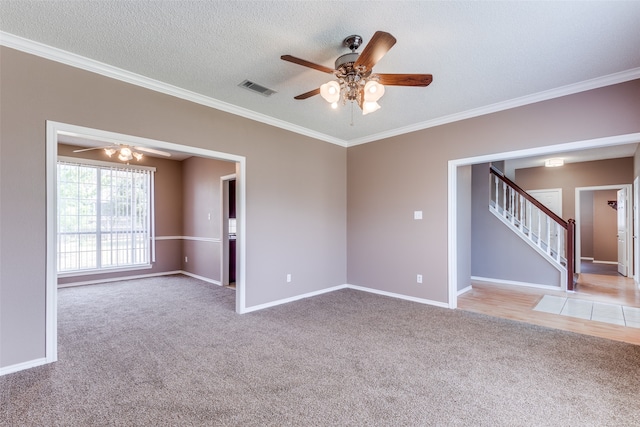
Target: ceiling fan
x=126, y=152
x=356, y=80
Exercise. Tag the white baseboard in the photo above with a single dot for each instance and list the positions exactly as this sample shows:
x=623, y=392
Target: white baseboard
x=605, y=262
x=586, y=258
x=204, y=279
x=399, y=296
x=465, y=290
x=118, y=279
x=515, y=283
x=294, y=298
x=346, y=286
x=22, y=366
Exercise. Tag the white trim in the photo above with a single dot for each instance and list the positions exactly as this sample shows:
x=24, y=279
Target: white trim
x=465, y=290
x=346, y=286
x=22, y=366
x=452, y=188
x=595, y=83
x=605, y=262
x=51, y=293
x=104, y=271
x=74, y=60
x=294, y=298
x=194, y=238
x=105, y=164
x=399, y=296
x=52, y=130
x=452, y=234
x=636, y=224
x=586, y=258
x=117, y=279
x=68, y=58
x=515, y=282
x=204, y=279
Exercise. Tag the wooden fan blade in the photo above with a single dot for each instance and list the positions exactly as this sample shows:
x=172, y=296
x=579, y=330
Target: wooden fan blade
x=377, y=47
x=92, y=148
x=405, y=79
x=307, y=64
x=152, y=151
x=308, y=94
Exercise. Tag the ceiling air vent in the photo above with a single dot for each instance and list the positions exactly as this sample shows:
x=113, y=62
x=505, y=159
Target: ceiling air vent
x=257, y=88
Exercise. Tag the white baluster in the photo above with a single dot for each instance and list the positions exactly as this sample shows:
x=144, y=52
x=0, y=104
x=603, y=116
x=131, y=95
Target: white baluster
x=504, y=199
x=548, y=221
x=521, y=210
x=529, y=219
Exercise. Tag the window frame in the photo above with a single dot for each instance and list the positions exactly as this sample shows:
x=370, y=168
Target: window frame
x=151, y=252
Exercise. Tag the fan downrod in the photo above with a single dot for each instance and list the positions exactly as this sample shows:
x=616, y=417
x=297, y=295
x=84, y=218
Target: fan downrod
x=352, y=42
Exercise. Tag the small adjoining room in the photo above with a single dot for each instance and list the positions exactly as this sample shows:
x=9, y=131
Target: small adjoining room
x=293, y=213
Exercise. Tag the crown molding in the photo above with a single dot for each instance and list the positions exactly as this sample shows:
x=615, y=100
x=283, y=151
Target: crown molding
x=74, y=60
x=595, y=83
x=77, y=61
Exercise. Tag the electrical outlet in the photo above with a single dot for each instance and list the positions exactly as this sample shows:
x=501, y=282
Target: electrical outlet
x=419, y=278
x=288, y=278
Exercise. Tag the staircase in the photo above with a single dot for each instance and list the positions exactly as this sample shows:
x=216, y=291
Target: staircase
x=542, y=229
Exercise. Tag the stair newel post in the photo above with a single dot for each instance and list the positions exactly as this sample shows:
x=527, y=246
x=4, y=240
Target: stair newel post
x=571, y=253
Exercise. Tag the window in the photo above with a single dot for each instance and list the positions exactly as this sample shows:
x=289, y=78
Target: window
x=105, y=213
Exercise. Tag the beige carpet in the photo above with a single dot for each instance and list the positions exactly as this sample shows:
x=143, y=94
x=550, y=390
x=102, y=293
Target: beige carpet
x=171, y=351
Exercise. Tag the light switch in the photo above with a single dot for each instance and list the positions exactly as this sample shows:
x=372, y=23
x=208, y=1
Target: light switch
x=417, y=214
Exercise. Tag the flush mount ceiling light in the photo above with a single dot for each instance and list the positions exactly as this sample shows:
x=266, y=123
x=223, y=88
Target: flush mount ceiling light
x=356, y=81
x=126, y=152
x=554, y=162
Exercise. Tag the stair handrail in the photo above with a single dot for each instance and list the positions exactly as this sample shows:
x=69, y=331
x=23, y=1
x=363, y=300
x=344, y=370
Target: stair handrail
x=569, y=225
x=501, y=176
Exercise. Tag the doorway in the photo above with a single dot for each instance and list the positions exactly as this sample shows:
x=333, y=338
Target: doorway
x=54, y=129
x=599, y=214
x=229, y=264
x=459, y=258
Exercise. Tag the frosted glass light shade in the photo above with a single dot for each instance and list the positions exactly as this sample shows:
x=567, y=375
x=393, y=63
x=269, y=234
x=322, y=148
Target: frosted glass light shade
x=373, y=91
x=369, y=107
x=330, y=91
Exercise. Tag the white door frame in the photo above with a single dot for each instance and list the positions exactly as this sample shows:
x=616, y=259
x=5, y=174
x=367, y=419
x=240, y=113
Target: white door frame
x=636, y=224
x=628, y=215
x=56, y=128
x=452, y=191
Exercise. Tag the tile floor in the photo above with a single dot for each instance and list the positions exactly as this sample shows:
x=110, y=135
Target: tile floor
x=589, y=310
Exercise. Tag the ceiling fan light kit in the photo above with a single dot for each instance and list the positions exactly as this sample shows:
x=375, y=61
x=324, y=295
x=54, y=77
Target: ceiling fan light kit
x=356, y=82
x=125, y=152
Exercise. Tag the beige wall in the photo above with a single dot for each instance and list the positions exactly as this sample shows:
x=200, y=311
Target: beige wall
x=296, y=197
x=299, y=220
x=202, y=215
x=168, y=214
x=572, y=175
x=389, y=179
x=605, y=219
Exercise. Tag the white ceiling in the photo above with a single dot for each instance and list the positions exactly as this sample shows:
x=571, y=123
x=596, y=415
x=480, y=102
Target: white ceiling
x=484, y=56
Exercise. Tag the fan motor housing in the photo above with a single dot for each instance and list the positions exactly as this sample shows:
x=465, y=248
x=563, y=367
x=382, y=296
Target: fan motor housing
x=346, y=59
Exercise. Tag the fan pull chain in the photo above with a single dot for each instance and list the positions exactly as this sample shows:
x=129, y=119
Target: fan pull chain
x=351, y=113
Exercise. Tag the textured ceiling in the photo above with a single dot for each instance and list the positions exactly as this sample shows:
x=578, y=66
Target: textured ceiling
x=480, y=53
